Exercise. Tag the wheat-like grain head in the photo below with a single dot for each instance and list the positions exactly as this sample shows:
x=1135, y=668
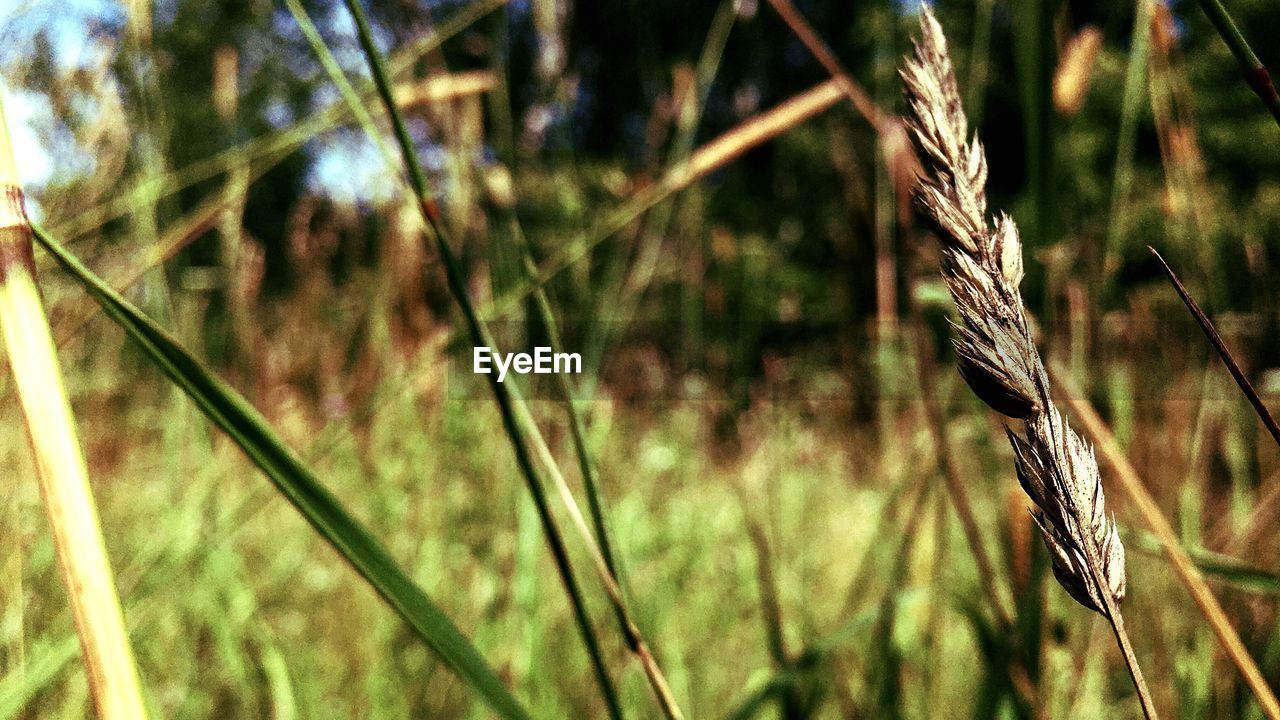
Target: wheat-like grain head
x=982, y=265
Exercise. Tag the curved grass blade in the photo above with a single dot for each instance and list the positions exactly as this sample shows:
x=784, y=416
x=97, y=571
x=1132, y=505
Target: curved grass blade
x=231, y=412
x=1227, y=568
x=1220, y=346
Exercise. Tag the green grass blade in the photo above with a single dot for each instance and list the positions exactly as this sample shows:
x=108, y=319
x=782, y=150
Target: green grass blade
x=1228, y=569
x=234, y=415
x=1135, y=84
x=334, y=70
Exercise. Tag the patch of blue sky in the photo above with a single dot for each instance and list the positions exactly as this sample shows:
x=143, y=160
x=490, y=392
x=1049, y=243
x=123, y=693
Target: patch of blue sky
x=38, y=137
x=22, y=112
x=349, y=168
x=911, y=8
x=65, y=22
x=346, y=165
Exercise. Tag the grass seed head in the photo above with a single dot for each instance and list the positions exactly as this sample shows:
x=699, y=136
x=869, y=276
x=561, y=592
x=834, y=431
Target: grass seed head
x=982, y=265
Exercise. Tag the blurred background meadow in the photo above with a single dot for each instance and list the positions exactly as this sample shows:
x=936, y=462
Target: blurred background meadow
x=769, y=395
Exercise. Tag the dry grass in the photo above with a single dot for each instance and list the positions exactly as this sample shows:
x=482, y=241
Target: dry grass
x=983, y=266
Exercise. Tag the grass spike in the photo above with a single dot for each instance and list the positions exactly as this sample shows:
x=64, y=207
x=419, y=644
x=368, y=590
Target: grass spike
x=982, y=265
x=1178, y=557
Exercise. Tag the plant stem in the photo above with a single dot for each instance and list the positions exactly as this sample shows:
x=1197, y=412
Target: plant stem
x=1135, y=84
x=1131, y=661
x=1255, y=73
x=1111, y=608
x=480, y=337
x=822, y=53
x=577, y=428
x=60, y=466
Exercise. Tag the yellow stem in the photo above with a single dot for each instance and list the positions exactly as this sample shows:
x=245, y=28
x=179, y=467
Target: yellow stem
x=64, y=481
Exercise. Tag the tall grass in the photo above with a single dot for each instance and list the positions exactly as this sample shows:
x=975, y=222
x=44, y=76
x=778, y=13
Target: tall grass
x=245, y=425
x=791, y=555
x=515, y=415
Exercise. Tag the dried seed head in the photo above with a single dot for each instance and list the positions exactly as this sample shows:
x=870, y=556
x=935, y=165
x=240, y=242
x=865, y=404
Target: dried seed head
x=1007, y=246
x=986, y=373
x=954, y=194
x=1055, y=467
x=993, y=342
x=982, y=264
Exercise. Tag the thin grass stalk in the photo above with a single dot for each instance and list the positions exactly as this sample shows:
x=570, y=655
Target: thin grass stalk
x=1135, y=84
x=708, y=62
x=480, y=337
x=884, y=516
x=339, y=78
x=887, y=671
x=1035, y=50
x=1158, y=524
x=566, y=396
x=514, y=411
x=1111, y=610
x=982, y=265
x=60, y=466
x=564, y=389
x=885, y=263
x=979, y=59
x=631, y=632
x=791, y=705
x=688, y=118
x=858, y=97
x=1255, y=73
x=1220, y=346
x=770, y=607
